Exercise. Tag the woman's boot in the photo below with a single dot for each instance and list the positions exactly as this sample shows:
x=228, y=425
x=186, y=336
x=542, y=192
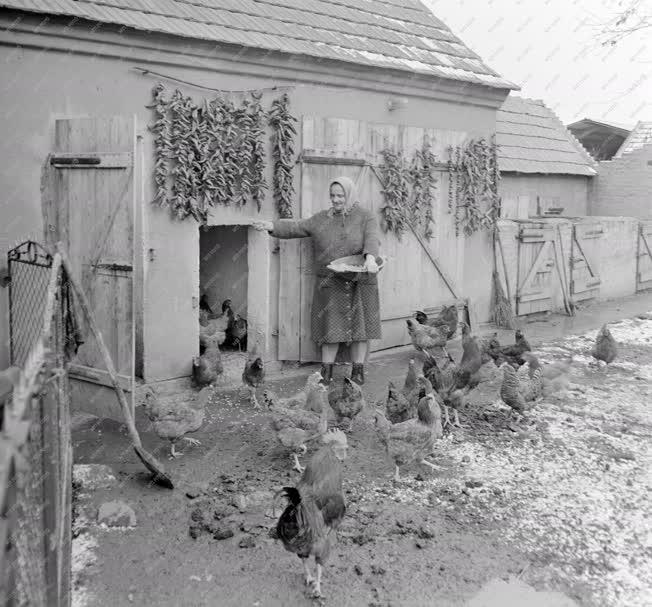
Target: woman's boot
x=357, y=373
x=326, y=373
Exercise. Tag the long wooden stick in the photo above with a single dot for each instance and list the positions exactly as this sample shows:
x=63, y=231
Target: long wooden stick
x=106, y=356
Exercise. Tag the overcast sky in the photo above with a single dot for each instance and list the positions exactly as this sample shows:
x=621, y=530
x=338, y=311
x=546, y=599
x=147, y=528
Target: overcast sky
x=549, y=48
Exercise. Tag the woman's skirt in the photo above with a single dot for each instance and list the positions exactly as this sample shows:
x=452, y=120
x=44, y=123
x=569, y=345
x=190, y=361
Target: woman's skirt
x=345, y=310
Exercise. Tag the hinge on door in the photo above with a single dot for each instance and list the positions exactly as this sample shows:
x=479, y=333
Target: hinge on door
x=116, y=267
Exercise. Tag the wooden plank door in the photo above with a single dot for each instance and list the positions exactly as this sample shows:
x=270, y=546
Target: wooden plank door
x=332, y=147
x=585, y=280
x=535, y=265
x=644, y=257
x=91, y=210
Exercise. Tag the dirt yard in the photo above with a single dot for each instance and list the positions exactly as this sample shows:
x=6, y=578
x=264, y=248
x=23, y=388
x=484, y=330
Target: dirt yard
x=553, y=512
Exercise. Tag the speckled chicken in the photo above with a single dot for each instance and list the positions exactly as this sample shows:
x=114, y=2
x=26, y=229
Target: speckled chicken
x=172, y=420
x=412, y=440
x=346, y=400
x=518, y=389
x=605, y=348
x=316, y=506
x=448, y=318
x=295, y=426
x=430, y=340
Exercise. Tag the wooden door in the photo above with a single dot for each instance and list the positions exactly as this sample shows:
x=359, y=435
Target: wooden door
x=332, y=147
x=535, y=265
x=644, y=257
x=585, y=241
x=89, y=206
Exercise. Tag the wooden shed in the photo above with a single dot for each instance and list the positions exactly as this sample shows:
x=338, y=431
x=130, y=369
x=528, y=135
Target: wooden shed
x=544, y=170
x=80, y=158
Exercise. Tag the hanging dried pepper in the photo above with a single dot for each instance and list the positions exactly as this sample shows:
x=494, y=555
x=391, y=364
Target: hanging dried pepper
x=476, y=179
x=408, y=190
x=208, y=155
x=283, y=134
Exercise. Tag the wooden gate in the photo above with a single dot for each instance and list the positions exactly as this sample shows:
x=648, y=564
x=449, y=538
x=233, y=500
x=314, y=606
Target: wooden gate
x=333, y=147
x=644, y=256
x=585, y=280
x=536, y=260
x=89, y=206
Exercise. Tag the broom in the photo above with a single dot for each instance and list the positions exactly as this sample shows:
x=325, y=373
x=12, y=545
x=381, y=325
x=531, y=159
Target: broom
x=501, y=313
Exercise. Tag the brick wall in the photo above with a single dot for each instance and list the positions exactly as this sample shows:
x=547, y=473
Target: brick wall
x=623, y=187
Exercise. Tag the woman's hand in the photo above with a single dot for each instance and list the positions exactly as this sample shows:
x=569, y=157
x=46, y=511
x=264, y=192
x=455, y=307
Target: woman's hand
x=262, y=226
x=370, y=264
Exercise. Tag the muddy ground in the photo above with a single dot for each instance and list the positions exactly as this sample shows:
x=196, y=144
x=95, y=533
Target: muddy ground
x=558, y=505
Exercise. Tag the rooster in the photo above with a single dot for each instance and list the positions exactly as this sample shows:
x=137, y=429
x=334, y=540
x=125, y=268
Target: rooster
x=253, y=375
x=414, y=439
x=605, y=348
x=316, y=506
x=427, y=339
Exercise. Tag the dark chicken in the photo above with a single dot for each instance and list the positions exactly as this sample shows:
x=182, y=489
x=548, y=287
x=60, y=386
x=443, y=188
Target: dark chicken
x=316, y=506
x=448, y=318
x=512, y=354
x=253, y=375
x=605, y=348
x=236, y=332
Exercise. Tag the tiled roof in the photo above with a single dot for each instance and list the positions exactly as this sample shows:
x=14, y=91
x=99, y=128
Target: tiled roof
x=532, y=139
x=640, y=136
x=396, y=34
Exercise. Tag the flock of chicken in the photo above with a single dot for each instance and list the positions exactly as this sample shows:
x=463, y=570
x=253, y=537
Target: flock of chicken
x=408, y=423
x=215, y=330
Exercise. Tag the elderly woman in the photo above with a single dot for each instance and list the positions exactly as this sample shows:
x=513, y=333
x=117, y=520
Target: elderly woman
x=345, y=307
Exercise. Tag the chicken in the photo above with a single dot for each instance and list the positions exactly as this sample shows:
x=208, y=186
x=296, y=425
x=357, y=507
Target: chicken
x=173, y=420
x=347, y=401
x=204, y=305
x=448, y=318
x=444, y=381
x=294, y=426
x=414, y=439
x=471, y=359
x=605, y=348
x=488, y=345
x=316, y=506
x=513, y=354
x=518, y=389
x=397, y=406
x=236, y=332
x=427, y=339
x=304, y=398
x=253, y=375
x=211, y=325
x=555, y=375
x=207, y=368
x=410, y=378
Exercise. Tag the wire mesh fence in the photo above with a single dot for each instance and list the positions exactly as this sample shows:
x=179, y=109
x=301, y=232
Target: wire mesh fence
x=35, y=444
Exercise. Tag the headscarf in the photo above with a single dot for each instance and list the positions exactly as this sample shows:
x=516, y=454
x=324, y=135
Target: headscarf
x=350, y=194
